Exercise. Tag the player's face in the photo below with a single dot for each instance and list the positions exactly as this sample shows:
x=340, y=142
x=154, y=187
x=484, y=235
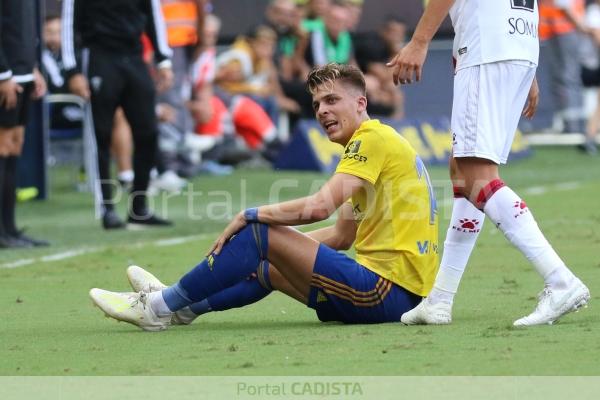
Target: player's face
x=338, y=109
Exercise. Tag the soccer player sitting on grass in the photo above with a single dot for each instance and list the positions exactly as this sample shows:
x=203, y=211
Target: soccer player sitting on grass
x=386, y=208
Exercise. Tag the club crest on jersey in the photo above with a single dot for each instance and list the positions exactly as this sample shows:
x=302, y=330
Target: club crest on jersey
x=528, y=5
x=352, y=152
x=353, y=147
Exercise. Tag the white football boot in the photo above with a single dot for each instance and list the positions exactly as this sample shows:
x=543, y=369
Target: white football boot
x=130, y=307
x=142, y=280
x=426, y=313
x=554, y=303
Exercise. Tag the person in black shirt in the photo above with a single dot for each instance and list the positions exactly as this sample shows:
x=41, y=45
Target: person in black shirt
x=114, y=74
x=19, y=82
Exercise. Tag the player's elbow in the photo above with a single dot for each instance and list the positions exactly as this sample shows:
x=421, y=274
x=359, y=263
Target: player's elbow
x=320, y=208
x=319, y=213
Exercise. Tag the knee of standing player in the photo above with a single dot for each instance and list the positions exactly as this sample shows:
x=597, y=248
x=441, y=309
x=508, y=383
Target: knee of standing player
x=17, y=143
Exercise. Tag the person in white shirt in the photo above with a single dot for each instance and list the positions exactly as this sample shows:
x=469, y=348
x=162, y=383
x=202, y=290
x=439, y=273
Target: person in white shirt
x=496, y=49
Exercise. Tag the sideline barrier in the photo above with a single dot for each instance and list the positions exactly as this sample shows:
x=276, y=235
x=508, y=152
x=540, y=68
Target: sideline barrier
x=311, y=150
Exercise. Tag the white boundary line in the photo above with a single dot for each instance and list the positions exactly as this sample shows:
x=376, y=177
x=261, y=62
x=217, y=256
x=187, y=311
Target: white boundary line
x=91, y=250
x=532, y=191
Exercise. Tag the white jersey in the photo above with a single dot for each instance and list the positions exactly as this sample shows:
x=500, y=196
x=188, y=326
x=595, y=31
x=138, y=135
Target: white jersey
x=488, y=31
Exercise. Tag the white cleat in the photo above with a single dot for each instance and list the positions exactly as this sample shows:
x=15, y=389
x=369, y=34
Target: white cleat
x=553, y=304
x=426, y=313
x=142, y=280
x=130, y=307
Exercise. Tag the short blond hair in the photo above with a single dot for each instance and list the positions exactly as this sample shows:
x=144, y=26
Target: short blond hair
x=330, y=73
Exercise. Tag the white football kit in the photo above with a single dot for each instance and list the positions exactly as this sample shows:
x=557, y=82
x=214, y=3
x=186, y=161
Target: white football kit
x=496, y=48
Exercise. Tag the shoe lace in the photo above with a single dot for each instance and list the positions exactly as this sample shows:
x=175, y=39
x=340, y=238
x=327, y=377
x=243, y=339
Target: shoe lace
x=543, y=297
x=142, y=299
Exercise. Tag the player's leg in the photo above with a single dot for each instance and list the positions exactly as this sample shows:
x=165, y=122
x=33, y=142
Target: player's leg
x=345, y=291
x=139, y=108
x=501, y=204
x=510, y=214
x=106, y=86
x=294, y=251
x=15, y=138
x=466, y=222
x=122, y=148
x=5, y=151
x=13, y=145
x=252, y=289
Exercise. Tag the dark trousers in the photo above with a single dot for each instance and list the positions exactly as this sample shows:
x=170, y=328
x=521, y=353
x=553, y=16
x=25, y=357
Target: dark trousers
x=123, y=80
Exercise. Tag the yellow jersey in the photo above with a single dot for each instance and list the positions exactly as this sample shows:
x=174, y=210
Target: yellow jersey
x=397, y=235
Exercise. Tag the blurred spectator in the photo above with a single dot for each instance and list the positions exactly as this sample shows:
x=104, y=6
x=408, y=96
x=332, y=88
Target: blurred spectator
x=591, y=75
x=110, y=32
x=372, y=53
x=561, y=21
x=355, y=9
x=286, y=20
x=228, y=115
x=330, y=40
x=68, y=116
x=315, y=10
x=282, y=16
x=63, y=116
x=248, y=68
x=20, y=81
x=184, y=20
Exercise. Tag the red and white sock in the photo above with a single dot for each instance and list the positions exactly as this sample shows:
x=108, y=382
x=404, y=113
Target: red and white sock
x=465, y=224
x=512, y=216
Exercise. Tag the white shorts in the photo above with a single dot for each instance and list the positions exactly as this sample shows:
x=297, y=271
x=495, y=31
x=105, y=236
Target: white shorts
x=488, y=103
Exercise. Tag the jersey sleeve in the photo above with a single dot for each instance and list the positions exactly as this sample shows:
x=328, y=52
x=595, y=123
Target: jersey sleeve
x=364, y=157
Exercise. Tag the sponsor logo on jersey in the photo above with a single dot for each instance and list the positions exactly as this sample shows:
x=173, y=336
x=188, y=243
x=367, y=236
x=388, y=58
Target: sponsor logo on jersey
x=427, y=247
x=528, y=5
x=522, y=27
x=462, y=51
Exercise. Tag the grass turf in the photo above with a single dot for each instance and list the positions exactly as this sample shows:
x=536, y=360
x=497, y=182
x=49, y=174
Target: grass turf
x=49, y=326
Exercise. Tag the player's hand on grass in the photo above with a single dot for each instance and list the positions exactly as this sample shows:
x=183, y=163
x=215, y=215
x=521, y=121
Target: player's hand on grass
x=408, y=63
x=533, y=99
x=234, y=227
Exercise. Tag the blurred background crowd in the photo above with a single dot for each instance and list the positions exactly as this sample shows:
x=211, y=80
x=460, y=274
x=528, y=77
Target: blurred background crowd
x=229, y=96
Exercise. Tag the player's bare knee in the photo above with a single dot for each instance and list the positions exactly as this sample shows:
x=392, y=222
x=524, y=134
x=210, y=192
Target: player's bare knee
x=5, y=145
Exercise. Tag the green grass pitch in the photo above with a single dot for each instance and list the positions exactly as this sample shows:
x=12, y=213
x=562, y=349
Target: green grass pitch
x=49, y=327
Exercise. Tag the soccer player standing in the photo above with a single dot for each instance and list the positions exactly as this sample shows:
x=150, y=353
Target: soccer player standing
x=386, y=208
x=112, y=74
x=496, y=48
x=19, y=82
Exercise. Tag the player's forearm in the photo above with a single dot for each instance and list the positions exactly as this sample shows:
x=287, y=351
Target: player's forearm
x=305, y=210
x=329, y=237
x=433, y=16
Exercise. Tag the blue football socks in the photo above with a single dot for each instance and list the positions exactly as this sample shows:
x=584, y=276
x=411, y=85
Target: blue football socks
x=239, y=258
x=252, y=289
